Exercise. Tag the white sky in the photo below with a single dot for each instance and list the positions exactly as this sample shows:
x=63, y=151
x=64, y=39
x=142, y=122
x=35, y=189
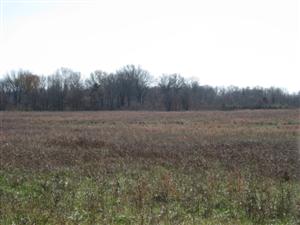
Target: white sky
x=221, y=43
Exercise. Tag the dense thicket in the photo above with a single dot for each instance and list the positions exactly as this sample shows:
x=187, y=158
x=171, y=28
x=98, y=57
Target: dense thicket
x=131, y=88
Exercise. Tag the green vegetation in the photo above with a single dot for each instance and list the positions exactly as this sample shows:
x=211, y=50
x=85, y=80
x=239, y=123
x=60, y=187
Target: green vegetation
x=158, y=196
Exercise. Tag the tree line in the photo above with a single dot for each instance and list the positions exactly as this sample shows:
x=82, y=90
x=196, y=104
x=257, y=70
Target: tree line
x=130, y=88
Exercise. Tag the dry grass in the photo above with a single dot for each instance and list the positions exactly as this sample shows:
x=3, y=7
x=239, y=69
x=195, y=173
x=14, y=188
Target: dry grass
x=236, y=147
x=264, y=139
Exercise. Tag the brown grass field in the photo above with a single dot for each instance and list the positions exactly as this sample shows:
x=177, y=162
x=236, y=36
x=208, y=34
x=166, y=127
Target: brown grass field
x=207, y=167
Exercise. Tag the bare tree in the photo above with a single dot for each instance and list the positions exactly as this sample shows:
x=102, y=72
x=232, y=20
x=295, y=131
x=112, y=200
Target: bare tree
x=170, y=86
x=130, y=87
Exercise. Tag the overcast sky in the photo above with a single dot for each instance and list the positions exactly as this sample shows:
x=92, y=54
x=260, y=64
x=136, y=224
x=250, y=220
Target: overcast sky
x=221, y=43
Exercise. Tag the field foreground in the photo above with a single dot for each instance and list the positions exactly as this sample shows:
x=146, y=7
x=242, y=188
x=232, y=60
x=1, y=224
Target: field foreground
x=211, y=167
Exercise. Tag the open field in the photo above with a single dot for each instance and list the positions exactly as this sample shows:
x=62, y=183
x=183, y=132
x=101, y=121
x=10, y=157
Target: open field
x=208, y=167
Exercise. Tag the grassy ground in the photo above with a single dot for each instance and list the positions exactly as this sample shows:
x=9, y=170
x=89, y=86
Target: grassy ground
x=237, y=167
